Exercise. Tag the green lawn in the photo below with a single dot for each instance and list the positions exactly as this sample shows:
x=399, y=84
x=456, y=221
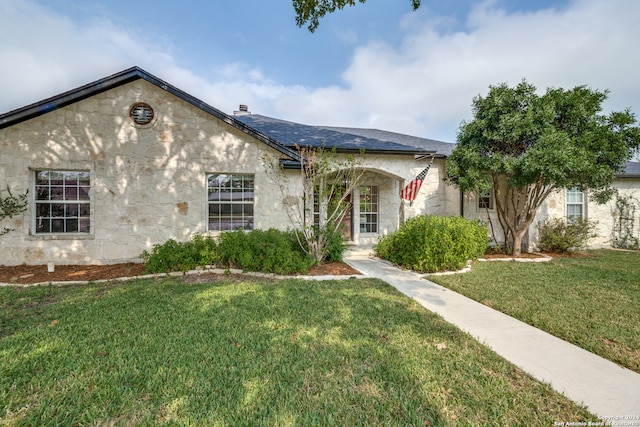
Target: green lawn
x=252, y=352
x=593, y=302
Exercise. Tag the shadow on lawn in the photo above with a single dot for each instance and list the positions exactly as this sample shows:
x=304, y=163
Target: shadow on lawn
x=291, y=352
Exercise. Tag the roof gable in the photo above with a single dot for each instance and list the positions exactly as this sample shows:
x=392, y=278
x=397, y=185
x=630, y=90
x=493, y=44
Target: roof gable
x=127, y=76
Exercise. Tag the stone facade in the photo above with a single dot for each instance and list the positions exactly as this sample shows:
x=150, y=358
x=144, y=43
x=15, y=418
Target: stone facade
x=605, y=215
x=148, y=183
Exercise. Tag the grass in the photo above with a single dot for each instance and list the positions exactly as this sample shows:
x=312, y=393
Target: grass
x=252, y=352
x=589, y=301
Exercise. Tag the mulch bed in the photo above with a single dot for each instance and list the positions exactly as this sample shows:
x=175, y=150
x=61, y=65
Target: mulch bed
x=29, y=274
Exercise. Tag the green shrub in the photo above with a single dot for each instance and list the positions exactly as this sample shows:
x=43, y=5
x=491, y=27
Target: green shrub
x=180, y=256
x=432, y=243
x=336, y=244
x=558, y=235
x=270, y=251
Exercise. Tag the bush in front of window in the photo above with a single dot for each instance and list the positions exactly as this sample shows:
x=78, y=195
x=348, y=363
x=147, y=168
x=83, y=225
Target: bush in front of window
x=558, y=235
x=430, y=243
x=181, y=256
x=270, y=251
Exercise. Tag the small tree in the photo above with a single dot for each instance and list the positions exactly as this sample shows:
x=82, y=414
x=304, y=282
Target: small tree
x=328, y=180
x=522, y=147
x=11, y=206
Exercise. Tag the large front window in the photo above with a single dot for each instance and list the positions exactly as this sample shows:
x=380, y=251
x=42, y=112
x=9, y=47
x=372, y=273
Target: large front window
x=62, y=202
x=368, y=209
x=230, y=200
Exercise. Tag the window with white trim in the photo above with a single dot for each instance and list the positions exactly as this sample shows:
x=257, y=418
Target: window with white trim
x=485, y=200
x=368, y=209
x=62, y=202
x=575, y=204
x=230, y=201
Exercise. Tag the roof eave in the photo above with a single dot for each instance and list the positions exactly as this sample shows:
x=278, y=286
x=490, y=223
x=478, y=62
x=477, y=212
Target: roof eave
x=69, y=97
x=134, y=73
x=378, y=151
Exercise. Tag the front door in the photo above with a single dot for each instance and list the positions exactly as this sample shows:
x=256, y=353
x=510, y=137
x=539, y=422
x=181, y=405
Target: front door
x=346, y=225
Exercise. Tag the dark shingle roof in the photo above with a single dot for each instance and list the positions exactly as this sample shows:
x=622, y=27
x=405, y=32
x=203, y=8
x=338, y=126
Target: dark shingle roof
x=442, y=149
x=135, y=73
x=631, y=170
x=372, y=141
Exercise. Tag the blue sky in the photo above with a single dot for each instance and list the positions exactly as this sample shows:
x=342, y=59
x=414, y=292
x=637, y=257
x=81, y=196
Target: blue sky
x=375, y=65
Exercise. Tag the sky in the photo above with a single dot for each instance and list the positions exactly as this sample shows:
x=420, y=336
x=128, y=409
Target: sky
x=374, y=65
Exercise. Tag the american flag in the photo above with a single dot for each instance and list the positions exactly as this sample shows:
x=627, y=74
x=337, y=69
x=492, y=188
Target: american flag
x=410, y=191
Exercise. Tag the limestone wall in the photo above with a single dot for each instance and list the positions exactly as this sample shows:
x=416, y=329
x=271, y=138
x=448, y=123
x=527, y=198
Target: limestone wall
x=148, y=183
x=604, y=215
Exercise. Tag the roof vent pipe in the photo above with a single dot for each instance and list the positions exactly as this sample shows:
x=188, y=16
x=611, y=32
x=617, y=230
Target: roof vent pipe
x=242, y=110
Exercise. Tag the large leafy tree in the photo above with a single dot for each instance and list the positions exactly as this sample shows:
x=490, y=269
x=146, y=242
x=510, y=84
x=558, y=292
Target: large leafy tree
x=310, y=11
x=522, y=146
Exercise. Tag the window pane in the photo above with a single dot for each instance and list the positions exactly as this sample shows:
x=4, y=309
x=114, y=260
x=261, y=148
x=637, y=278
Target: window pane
x=85, y=209
x=71, y=210
x=574, y=211
x=84, y=225
x=214, y=195
x=57, y=210
x=574, y=196
x=42, y=192
x=43, y=225
x=83, y=192
x=43, y=209
x=57, y=226
x=72, y=225
x=57, y=192
x=71, y=193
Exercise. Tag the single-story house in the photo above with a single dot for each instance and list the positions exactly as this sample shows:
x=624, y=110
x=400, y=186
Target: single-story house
x=129, y=161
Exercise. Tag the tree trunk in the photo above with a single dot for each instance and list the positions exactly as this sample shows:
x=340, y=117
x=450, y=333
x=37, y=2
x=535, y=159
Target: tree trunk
x=517, y=241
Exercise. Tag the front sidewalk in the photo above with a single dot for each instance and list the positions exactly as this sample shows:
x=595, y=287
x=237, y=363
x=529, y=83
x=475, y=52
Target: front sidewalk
x=607, y=389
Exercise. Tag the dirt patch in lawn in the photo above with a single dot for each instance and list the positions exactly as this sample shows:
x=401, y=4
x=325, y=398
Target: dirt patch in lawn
x=29, y=274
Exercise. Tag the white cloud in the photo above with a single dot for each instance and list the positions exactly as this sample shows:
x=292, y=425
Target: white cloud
x=425, y=86
x=422, y=86
x=50, y=53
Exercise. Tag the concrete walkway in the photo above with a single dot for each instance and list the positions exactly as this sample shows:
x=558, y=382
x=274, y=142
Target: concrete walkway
x=604, y=387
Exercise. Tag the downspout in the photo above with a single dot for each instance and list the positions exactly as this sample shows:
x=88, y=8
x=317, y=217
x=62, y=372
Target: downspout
x=462, y=203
